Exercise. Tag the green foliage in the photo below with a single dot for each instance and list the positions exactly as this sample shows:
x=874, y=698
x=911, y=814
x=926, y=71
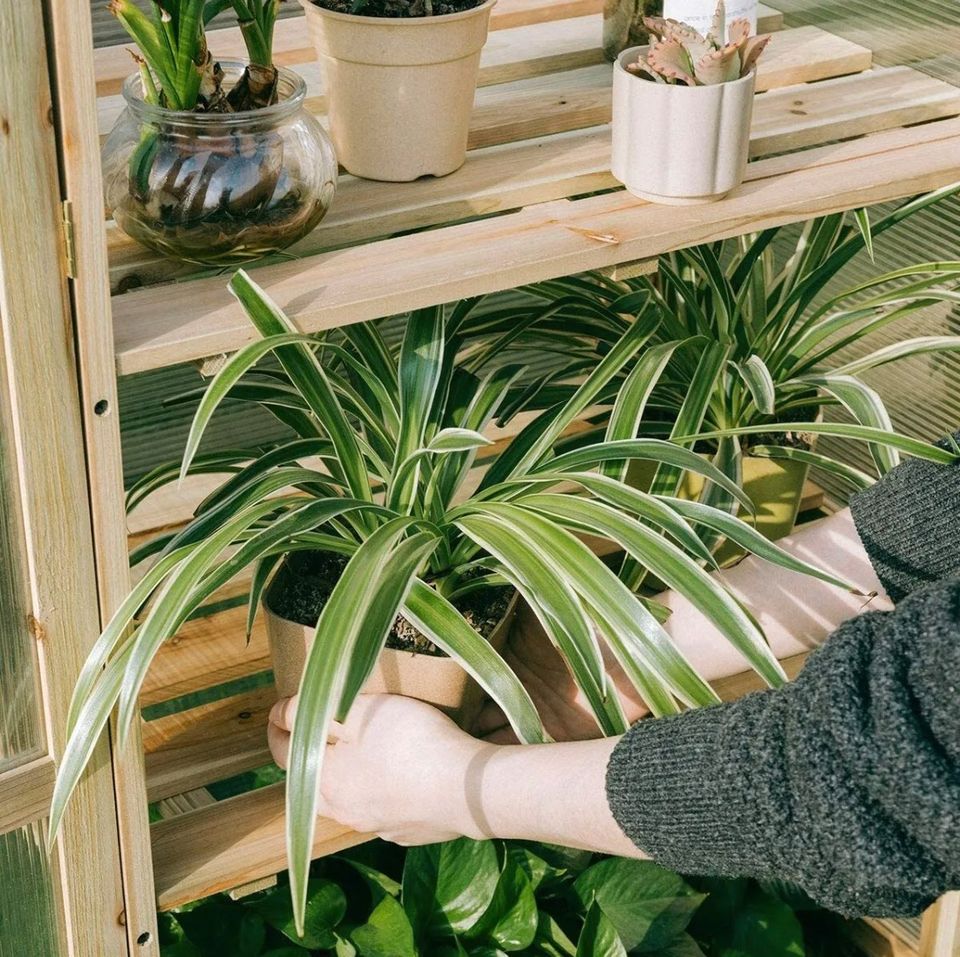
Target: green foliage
x=379, y=474
x=532, y=900
x=778, y=330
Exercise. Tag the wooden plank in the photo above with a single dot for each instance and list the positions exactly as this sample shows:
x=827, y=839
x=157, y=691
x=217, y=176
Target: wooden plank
x=44, y=458
x=231, y=843
x=541, y=170
x=25, y=793
x=93, y=337
x=292, y=44
x=163, y=326
x=940, y=930
x=207, y=744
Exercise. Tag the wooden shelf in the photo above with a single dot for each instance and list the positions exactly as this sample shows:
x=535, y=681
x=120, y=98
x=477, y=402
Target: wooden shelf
x=540, y=140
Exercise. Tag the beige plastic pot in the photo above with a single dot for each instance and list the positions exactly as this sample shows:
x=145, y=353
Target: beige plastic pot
x=399, y=89
x=439, y=681
x=679, y=145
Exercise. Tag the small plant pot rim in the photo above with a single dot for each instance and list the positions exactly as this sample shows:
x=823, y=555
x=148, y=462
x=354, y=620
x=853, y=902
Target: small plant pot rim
x=436, y=679
x=412, y=23
x=675, y=144
x=287, y=79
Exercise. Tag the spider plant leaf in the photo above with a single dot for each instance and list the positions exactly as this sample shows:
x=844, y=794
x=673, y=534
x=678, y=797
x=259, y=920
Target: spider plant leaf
x=653, y=450
x=643, y=504
x=436, y=618
x=213, y=463
x=307, y=375
x=375, y=578
x=283, y=454
x=457, y=440
x=116, y=628
x=89, y=722
x=263, y=569
x=857, y=478
x=172, y=606
x=676, y=569
x=842, y=430
x=750, y=539
x=619, y=355
x=899, y=350
x=634, y=635
x=555, y=603
x=757, y=378
x=866, y=406
x=862, y=217
x=631, y=402
x=700, y=392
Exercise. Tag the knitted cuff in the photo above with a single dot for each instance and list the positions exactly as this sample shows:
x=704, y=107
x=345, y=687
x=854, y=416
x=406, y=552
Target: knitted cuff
x=908, y=523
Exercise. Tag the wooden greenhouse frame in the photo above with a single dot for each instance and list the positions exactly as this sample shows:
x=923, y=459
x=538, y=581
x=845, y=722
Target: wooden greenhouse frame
x=81, y=305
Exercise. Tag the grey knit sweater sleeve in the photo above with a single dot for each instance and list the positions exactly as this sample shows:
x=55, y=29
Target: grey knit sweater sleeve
x=847, y=781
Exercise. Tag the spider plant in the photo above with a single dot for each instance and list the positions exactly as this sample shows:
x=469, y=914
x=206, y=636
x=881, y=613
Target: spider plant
x=257, y=18
x=379, y=473
x=745, y=348
x=176, y=67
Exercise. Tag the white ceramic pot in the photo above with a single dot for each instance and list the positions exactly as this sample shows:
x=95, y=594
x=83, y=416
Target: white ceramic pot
x=679, y=145
x=399, y=90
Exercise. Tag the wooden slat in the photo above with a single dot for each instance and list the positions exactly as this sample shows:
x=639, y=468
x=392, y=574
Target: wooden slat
x=242, y=840
x=25, y=793
x=170, y=324
x=93, y=347
x=207, y=744
x=229, y=844
x=541, y=170
x=940, y=929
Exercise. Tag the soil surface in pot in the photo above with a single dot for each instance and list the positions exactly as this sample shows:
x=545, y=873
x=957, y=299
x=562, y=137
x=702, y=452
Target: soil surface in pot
x=399, y=8
x=305, y=580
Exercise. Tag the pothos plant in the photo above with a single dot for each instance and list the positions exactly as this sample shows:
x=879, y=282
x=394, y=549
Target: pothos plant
x=379, y=473
x=747, y=348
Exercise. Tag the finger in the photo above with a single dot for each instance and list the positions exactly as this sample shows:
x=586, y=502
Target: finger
x=504, y=735
x=279, y=743
x=491, y=718
x=284, y=712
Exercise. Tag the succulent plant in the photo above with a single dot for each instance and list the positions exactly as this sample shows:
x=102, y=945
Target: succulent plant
x=682, y=55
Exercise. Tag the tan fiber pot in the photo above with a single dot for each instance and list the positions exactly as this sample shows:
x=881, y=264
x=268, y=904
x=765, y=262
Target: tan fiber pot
x=438, y=680
x=399, y=89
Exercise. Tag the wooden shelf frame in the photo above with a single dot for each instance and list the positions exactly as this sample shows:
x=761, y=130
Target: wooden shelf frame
x=534, y=201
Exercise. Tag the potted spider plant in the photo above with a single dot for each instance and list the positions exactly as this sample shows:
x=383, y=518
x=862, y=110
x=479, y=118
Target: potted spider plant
x=400, y=80
x=379, y=485
x=682, y=108
x=748, y=353
x=213, y=162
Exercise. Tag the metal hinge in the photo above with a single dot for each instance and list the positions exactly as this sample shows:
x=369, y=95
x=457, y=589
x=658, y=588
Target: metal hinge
x=69, y=243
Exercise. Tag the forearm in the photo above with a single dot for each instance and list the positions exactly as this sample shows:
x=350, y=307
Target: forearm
x=554, y=793
x=797, y=613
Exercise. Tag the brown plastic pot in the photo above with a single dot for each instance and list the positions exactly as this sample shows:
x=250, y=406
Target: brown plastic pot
x=399, y=89
x=438, y=680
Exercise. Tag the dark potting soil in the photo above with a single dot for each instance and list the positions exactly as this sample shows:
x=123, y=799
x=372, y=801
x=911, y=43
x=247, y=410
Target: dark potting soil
x=398, y=8
x=303, y=585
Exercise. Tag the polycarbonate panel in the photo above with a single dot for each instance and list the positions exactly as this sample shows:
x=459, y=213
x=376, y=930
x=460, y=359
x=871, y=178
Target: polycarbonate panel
x=19, y=715
x=28, y=913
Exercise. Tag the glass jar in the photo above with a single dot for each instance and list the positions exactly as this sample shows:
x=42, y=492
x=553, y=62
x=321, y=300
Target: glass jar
x=623, y=24
x=218, y=189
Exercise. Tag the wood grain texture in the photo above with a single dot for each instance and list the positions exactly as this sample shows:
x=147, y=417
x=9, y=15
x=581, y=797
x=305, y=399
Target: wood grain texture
x=93, y=337
x=229, y=844
x=166, y=325
x=25, y=793
x=940, y=930
x=539, y=170
x=44, y=449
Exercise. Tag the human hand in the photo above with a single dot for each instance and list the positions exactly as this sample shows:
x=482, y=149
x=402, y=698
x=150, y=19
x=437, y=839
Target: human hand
x=396, y=768
x=562, y=705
